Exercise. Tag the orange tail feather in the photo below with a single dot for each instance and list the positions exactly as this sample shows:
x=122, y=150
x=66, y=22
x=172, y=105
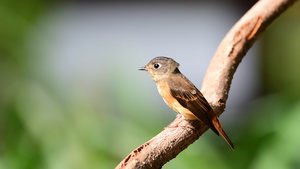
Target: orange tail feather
x=217, y=124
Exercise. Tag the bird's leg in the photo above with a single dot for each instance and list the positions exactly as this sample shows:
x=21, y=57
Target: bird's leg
x=177, y=121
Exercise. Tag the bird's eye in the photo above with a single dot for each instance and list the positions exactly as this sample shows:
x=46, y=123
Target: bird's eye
x=156, y=65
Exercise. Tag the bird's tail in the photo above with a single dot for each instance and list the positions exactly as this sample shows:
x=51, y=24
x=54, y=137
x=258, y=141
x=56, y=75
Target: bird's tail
x=217, y=124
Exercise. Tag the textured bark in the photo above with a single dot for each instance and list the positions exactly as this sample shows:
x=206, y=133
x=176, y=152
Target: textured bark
x=171, y=141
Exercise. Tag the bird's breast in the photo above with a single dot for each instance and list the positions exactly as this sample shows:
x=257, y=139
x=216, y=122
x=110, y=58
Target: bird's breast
x=164, y=90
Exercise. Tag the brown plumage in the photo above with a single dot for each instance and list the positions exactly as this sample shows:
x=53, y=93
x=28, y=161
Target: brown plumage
x=181, y=95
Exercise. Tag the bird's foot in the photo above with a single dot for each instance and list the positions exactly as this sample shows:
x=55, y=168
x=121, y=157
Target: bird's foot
x=176, y=122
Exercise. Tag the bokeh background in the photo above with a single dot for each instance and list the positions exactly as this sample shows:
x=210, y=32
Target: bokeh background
x=71, y=95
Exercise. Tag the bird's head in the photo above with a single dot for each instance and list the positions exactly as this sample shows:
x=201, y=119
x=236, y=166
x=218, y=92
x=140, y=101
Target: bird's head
x=161, y=67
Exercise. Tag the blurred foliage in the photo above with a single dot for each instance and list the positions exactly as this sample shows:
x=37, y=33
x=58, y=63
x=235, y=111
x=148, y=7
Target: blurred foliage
x=18, y=148
x=280, y=51
x=40, y=128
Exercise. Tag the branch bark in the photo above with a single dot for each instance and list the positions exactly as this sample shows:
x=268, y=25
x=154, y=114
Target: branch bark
x=171, y=141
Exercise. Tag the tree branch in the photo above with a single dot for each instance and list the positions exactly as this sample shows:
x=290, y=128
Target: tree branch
x=171, y=141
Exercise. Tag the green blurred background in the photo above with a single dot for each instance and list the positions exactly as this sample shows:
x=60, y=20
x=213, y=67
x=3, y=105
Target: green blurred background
x=71, y=96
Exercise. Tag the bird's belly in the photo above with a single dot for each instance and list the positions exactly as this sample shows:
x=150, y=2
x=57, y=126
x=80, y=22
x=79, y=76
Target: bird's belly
x=174, y=104
x=187, y=114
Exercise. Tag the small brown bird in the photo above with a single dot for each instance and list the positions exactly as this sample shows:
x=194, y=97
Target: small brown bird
x=181, y=94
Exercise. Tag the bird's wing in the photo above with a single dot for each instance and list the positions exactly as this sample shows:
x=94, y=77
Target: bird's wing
x=191, y=98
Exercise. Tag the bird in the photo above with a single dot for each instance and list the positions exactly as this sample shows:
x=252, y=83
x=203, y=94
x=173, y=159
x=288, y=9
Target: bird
x=181, y=95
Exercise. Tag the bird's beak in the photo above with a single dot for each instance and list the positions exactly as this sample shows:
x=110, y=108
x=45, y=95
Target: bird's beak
x=143, y=68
